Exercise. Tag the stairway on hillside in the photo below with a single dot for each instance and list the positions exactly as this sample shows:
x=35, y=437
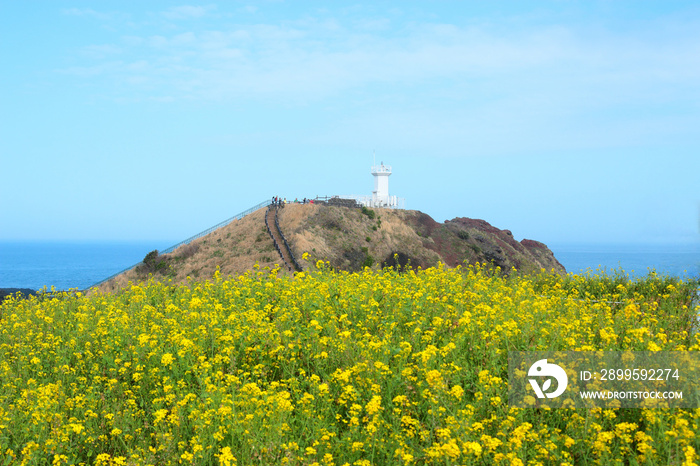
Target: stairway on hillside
x=273, y=229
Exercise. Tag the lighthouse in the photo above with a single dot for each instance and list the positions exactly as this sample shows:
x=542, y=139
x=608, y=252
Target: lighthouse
x=380, y=195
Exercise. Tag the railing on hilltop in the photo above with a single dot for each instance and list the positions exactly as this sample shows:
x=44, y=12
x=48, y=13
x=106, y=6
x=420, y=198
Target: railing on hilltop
x=392, y=202
x=191, y=238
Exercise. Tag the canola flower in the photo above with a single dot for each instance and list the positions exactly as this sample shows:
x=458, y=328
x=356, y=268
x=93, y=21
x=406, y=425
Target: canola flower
x=331, y=368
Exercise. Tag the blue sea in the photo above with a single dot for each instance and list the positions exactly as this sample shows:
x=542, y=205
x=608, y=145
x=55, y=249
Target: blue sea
x=66, y=265
x=637, y=260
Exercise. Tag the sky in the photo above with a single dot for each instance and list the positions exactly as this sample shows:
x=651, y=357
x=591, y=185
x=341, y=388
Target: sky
x=562, y=121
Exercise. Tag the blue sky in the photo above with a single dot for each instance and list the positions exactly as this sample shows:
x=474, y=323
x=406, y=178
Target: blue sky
x=562, y=121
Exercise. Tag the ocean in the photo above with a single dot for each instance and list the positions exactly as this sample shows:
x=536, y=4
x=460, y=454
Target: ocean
x=67, y=265
x=682, y=260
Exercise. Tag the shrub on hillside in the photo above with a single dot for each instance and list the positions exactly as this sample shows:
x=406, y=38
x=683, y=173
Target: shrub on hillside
x=154, y=262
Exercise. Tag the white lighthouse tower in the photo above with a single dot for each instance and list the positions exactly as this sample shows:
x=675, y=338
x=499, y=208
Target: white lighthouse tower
x=380, y=195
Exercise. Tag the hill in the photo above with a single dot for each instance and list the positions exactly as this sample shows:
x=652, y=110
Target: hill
x=5, y=292
x=349, y=238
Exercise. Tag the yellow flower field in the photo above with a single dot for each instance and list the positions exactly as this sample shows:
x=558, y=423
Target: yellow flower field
x=331, y=368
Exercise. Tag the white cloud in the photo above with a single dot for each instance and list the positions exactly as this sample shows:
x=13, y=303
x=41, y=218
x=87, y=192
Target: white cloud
x=111, y=16
x=101, y=70
x=188, y=11
x=88, y=12
x=132, y=41
x=101, y=51
x=476, y=81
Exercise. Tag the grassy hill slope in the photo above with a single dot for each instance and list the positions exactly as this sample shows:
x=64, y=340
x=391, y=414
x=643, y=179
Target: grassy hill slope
x=348, y=238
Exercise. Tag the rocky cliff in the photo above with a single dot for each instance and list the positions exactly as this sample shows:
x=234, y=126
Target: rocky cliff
x=351, y=238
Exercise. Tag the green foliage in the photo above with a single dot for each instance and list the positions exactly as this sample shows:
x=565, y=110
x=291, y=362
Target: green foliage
x=618, y=285
x=368, y=212
x=153, y=262
x=368, y=260
x=151, y=258
x=350, y=366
